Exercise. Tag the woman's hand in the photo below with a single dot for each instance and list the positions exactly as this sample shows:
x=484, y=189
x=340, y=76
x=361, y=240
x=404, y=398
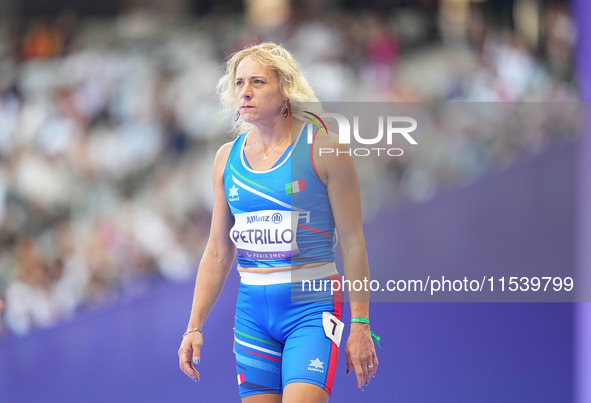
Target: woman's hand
x=361, y=354
x=190, y=354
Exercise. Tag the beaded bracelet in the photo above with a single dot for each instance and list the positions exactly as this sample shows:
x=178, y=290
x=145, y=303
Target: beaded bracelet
x=191, y=331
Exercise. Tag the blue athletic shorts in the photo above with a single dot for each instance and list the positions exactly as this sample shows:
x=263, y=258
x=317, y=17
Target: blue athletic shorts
x=278, y=341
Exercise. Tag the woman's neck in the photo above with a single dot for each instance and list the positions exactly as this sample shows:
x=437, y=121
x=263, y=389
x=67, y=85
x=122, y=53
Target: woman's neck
x=275, y=132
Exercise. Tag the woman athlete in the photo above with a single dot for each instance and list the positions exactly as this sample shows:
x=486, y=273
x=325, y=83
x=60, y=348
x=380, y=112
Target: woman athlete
x=278, y=206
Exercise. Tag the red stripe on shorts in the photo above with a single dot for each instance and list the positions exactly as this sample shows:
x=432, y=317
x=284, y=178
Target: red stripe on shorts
x=261, y=355
x=334, y=350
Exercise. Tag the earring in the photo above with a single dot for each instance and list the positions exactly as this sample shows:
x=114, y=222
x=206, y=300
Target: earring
x=285, y=110
x=237, y=116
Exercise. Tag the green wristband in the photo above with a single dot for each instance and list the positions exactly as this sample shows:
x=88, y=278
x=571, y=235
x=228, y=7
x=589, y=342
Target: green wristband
x=373, y=335
x=376, y=338
x=359, y=320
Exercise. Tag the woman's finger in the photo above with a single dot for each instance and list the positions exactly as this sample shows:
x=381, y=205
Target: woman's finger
x=185, y=355
x=360, y=373
x=349, y=363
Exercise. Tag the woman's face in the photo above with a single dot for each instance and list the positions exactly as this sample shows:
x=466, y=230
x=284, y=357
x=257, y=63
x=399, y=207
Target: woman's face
x=257, y=92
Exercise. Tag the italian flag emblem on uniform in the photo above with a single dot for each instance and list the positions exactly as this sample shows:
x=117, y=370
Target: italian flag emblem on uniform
x=294, y=187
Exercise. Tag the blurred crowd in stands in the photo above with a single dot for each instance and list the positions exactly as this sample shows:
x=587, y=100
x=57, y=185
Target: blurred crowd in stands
x=108, y=131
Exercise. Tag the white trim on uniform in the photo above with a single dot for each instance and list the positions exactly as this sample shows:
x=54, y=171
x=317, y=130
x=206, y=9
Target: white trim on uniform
x=245, y=164
x=288, y=276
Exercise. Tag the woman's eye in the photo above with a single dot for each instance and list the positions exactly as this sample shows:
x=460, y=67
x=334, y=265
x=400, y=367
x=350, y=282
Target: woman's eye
x=238, y=83
x=258, y=81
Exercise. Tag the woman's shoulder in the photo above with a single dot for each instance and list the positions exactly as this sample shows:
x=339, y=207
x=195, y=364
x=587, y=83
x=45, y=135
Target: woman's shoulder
x=326, y=140
x=221, y=157
x=224, y=151
x=226, y=147
x=330, y=155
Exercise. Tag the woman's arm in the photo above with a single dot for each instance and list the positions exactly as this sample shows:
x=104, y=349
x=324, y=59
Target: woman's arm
x=338, y=172
x=213, y=270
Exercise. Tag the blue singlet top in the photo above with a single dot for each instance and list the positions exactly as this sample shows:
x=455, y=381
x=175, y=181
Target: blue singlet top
x=282, y=215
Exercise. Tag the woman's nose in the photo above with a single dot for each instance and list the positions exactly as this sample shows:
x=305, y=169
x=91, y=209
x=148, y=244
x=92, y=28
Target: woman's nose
x=246, y=91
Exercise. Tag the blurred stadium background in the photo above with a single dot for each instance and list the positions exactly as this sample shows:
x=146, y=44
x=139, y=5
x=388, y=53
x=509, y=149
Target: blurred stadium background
x=108, y=129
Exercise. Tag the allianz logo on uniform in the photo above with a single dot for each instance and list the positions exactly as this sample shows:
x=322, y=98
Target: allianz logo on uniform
x=257, y=218
x=275, y=218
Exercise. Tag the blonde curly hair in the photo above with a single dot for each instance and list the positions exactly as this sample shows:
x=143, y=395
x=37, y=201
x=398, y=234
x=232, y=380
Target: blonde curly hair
x=292, y=83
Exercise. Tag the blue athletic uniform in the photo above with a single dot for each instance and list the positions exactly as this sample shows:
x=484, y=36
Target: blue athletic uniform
x=283, y=218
